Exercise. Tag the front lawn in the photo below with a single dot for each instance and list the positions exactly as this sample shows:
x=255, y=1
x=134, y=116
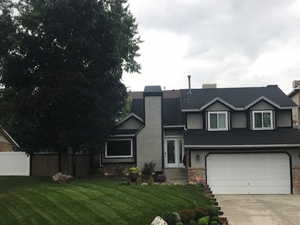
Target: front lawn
x=37, y=201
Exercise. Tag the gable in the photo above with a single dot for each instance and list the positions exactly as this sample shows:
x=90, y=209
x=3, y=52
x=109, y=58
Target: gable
x=217, y=106
x=130, y=124
x=262, y=105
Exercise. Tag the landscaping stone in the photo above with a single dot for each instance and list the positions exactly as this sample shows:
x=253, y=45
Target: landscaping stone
x=159, y=221
x=61, y=178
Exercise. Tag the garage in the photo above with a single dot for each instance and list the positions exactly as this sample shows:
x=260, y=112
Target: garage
x=249, y=173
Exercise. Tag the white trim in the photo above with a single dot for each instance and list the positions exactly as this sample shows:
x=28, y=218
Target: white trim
x=128, y=116
x=262, y=128
x=174, y=126
x=190, y=110
x=262, y=98
x=226, y=121
x=176, y=140
x=119, y=156
x=242, y=146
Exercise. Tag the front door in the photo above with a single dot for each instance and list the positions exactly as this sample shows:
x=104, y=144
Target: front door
x=173, y=152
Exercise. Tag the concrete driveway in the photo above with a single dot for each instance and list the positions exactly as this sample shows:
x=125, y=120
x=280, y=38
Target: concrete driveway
x=261, y=209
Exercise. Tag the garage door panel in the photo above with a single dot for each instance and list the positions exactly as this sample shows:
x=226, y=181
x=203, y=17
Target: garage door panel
x=249, y=173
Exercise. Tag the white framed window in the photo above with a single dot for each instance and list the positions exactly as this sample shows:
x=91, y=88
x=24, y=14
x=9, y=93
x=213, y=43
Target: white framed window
x=217, y=121
x=119, y=148
x=262, y=120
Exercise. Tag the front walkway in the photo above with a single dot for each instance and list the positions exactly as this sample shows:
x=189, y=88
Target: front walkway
x=261, y=209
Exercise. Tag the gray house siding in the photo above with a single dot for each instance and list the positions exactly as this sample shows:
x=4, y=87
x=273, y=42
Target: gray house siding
x=239, y=120
x=217, y=107
x=284, y=118
x=149, y=139
x=194, y=121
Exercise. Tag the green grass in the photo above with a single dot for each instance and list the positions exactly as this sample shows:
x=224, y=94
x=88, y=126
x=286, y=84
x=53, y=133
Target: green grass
x=38, y=201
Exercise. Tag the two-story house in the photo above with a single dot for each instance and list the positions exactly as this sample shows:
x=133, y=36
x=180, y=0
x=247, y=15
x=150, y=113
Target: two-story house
x=295, y=96
x=238, y=140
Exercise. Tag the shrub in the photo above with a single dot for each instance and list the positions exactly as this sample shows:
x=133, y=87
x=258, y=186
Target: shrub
x=149, y=169
x=192, y=222
x=179, y=223
x=213, y=211
x=214, y=222
x=172, y=218
x=203, y=221
x=200, y=212
x=160, y=178
x=187, y=215
x=133, y=173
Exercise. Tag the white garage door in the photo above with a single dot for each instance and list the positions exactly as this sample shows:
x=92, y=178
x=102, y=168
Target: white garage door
x=14, y=164
x=249, y=173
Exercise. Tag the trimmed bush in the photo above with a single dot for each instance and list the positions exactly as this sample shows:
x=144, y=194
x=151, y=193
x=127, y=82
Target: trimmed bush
x=172, y=218
x=203, y=221
x=215, y=222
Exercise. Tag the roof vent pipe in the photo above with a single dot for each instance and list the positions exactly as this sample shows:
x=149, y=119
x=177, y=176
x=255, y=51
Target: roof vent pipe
x=189, y=81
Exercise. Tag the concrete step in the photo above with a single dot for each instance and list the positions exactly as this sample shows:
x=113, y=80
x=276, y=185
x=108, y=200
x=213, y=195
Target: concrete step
x=176, y=174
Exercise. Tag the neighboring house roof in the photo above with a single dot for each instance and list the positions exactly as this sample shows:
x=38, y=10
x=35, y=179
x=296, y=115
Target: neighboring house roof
x=8, y=137
x=294, y=92
x=242, y=138
x=236, y=98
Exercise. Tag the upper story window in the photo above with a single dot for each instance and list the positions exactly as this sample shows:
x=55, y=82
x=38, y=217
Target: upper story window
x=262, y=120
x=217, y=121
x=119, y=148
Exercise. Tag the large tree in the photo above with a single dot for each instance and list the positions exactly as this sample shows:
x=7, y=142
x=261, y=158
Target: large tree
x=61, y=63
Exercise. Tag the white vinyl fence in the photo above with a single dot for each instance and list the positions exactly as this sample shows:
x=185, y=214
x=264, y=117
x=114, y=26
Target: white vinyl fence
x=14, y=164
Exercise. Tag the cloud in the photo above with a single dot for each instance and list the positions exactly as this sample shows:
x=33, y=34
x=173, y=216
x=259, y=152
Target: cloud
x=231, y=42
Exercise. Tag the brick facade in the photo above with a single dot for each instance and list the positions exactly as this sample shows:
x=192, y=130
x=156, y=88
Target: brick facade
x=115, y=169
x=196, y=175
x=296, y=180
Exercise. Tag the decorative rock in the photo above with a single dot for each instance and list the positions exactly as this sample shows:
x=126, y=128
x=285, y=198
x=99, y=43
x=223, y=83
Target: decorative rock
x=159, y=221
x=144, y=184
x=61, y=178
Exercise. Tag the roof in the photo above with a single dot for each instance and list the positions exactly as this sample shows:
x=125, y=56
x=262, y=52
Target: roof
x=8, y=137
x=294, y=92
x=175, y=102
x=242, y=138
x=239, y=98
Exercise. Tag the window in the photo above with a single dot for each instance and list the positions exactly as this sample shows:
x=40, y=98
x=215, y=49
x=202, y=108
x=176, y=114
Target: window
x=118, y=148
x=262, y=120
x=217, y=121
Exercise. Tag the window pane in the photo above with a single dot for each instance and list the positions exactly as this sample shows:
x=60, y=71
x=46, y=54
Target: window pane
x=213, y=118
x=171, y=151
x=258, y=120
x=267, y=119
x=221, y=120
x=119, y=148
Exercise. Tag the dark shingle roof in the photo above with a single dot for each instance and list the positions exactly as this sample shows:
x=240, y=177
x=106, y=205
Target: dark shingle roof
x=280, y=136
x=238, y=97
x=172, y=114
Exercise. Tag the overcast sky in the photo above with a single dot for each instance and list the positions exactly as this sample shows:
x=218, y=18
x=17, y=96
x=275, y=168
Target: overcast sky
x=230, y=42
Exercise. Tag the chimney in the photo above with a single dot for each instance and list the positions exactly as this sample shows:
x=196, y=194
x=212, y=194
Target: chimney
x=296, y=84
x=189, y=83
x=150, y=138
x=209, y=86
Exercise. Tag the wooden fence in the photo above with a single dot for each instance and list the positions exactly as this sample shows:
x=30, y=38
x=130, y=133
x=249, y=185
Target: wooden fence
x=48, y=164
